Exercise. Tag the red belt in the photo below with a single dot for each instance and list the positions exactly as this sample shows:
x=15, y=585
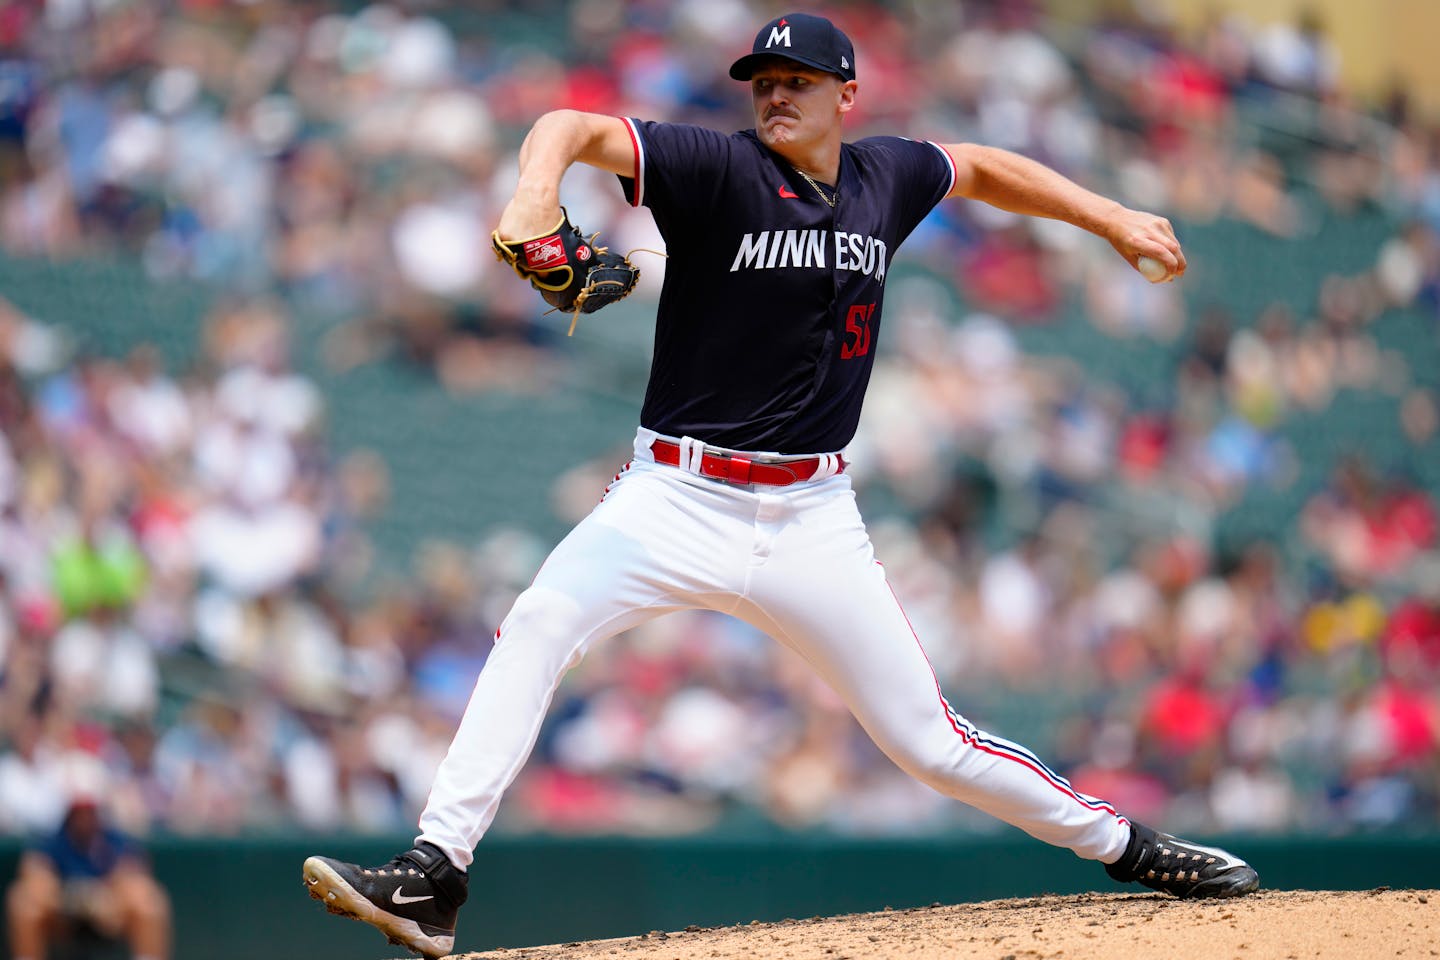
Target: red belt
x=733, y=469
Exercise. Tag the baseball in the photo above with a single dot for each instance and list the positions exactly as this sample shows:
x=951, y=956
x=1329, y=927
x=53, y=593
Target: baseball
x=1152, y=270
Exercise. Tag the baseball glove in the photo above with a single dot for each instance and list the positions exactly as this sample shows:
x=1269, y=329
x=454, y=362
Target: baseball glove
x=571, y=272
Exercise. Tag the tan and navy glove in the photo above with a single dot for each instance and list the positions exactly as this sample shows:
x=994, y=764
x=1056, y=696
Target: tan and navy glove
x=571, y=272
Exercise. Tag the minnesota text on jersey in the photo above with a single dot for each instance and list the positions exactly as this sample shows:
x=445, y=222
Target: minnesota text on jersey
x=772, y=249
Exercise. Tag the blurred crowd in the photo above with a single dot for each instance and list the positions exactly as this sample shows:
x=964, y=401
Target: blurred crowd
x=180, y=550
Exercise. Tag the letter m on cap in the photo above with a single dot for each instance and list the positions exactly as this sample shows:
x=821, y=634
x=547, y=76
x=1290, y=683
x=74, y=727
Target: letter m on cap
x=778, y=36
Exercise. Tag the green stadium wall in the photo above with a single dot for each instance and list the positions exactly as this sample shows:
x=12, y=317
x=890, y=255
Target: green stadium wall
x=242, y=899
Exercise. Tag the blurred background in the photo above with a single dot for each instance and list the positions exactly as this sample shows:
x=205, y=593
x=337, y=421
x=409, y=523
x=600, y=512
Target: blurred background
x=280, y=441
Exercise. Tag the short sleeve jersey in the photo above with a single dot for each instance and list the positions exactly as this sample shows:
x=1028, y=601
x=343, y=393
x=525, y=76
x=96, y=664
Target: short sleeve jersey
x=770, y=312
x=91, y=862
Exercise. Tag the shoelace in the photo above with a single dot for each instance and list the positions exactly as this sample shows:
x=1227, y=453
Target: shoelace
x=402, y=867
x=1173, y=860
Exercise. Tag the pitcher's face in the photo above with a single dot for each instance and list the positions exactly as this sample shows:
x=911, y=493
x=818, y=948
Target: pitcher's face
x=796, y=105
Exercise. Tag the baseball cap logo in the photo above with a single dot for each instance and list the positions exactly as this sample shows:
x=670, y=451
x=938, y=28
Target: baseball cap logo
x=804, y=38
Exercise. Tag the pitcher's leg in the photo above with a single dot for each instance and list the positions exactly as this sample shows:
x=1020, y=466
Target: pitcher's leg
x=660, y=540
x=842, y=617
x=630, y=560
x=544, y=635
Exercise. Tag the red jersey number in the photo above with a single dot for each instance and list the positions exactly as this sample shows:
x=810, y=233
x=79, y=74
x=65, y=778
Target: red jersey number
x=857, y=331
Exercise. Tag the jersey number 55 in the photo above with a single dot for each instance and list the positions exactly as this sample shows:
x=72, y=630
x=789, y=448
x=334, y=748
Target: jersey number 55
x=857, y=331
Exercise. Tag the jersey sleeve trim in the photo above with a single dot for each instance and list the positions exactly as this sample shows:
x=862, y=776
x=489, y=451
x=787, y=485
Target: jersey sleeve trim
x=949, y=163
x=639, y=193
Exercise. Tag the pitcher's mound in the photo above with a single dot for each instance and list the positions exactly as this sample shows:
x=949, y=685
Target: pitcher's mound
x=1270, y=925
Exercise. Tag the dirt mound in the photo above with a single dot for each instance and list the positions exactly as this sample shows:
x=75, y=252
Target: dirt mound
x=1279, y=924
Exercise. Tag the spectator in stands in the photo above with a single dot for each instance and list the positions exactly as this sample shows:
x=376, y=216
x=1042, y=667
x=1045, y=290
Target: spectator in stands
x=86, y=878
x=1368, y=527
x=1411, y=642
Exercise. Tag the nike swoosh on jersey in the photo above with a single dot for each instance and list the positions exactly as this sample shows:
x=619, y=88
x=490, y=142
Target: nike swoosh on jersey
x=787, y=193
x=398, y=897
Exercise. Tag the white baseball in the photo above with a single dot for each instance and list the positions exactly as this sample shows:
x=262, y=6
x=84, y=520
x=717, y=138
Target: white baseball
x=1152, y=269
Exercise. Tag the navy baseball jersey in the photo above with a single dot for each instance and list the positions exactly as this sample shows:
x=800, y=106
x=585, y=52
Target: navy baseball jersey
x=770, y=311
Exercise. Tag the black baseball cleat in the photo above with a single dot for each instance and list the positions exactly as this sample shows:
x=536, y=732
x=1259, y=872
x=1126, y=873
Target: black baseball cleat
x=413, y=899
x=1182, y=868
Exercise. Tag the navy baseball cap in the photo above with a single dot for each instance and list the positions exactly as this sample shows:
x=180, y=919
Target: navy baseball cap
x=804, y=38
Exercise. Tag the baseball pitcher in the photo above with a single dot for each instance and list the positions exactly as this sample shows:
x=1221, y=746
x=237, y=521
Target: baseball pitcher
x=737, y=498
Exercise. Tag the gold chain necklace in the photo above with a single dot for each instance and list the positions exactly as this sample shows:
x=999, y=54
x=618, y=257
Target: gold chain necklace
x=829, y=202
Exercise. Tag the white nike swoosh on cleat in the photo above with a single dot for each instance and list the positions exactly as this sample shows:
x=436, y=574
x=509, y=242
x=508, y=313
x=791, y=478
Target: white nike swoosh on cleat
x=398, y=897
x=1228, y=859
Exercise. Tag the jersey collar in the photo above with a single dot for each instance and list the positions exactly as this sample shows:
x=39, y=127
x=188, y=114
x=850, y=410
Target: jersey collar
x=849, y=180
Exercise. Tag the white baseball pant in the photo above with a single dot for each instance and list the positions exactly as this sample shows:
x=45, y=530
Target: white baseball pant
x=795, y=562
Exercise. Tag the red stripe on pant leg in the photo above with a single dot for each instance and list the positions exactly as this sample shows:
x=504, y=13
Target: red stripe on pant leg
x=1015, y=752
x=1045, y=775
x=970, y=740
